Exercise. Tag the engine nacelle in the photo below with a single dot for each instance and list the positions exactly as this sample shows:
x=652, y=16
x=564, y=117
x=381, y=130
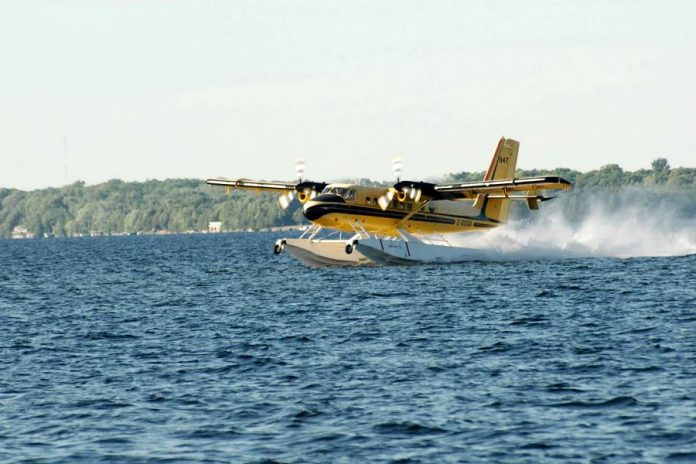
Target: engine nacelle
x=307, y=190
x=305, y=195
x=402, y=195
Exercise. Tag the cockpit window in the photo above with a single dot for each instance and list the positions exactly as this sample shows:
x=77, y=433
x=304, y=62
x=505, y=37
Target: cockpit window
x=348, y=194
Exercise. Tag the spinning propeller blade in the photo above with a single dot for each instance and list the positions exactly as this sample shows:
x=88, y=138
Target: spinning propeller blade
x=285, y=199
x=414, y=194
x=388, y=196
x=385, y=199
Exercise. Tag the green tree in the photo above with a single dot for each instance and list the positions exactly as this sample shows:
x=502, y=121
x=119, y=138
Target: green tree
x=660, y=165
x=661, y=169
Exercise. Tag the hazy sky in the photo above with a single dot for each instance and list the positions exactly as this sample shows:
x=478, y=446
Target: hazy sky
x=158, y=89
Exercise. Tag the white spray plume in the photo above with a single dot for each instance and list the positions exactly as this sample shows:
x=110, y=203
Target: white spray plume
x=628, y=226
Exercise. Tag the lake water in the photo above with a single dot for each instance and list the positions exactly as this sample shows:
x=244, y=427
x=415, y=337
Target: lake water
x=212, y=349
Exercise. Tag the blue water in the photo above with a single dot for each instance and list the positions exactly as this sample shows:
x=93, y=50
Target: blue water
x=212, y=349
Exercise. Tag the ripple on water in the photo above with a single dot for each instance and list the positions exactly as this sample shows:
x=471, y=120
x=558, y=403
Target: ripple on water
x=211, y=349
x=618, y=402
x=405, y=428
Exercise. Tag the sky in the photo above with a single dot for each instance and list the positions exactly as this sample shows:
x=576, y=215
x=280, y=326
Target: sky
x=95, y=90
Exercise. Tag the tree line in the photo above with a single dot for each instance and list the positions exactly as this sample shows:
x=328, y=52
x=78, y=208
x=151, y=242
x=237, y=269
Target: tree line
x=181, y=205
x=116, y=207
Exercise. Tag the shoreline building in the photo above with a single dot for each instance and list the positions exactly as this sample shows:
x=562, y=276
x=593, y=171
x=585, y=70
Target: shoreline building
x=21, y=232
x=214, y=227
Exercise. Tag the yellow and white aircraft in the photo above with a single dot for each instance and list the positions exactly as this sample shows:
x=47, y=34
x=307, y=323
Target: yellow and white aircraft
x=412, y=208
x=420, y=208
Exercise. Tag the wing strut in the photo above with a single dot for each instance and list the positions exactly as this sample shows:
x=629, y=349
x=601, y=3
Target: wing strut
x=411, y=214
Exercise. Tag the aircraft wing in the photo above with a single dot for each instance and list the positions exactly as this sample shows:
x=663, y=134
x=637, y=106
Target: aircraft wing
x=529, y=185
x=257, y=185
x=303, y=190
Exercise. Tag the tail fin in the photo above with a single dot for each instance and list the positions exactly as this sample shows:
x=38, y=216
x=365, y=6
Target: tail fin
x=502, y=166
x=504, y=160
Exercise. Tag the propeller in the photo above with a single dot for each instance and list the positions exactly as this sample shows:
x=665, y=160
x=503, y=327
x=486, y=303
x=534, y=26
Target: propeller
x=304, y=190
x=386, y=198
x=286, y=198
x=415, y=194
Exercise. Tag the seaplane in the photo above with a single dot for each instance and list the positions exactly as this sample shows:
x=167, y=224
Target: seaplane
x=405, y=223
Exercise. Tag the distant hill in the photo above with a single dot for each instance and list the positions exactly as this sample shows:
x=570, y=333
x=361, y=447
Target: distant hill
x=116, y=207
x=181, y=205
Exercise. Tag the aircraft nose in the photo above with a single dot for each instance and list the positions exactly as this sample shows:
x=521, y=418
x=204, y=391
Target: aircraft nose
x=321, y=205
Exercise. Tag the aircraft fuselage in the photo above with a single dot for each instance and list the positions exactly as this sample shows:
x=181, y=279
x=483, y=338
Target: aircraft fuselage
x=345, y=207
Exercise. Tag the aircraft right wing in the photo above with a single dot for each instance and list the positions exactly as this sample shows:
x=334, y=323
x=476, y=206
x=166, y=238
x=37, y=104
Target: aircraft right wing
x=305, y=189
x=249, y=184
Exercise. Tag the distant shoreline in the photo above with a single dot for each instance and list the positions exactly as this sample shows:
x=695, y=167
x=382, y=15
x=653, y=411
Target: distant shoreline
x=180, y=206
x=297, y=227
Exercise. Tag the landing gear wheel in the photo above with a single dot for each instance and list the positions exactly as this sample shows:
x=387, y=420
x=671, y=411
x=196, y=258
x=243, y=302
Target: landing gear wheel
x=349, y=249
x=277, y=248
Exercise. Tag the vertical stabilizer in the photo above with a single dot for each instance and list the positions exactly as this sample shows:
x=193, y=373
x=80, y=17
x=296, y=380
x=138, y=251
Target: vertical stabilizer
x=502, y=166
x=504, y=160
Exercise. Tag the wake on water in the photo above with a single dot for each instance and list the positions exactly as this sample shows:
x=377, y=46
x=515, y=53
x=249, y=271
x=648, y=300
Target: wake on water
x=624, y=229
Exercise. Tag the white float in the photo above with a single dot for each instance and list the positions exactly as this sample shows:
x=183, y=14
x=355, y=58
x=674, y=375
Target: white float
x=363, y=248
x=315, y=250
x=413, y=250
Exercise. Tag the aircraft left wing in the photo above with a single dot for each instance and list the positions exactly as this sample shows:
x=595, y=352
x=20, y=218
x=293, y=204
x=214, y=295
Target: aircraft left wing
x=529, y=185
x=524, y=188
